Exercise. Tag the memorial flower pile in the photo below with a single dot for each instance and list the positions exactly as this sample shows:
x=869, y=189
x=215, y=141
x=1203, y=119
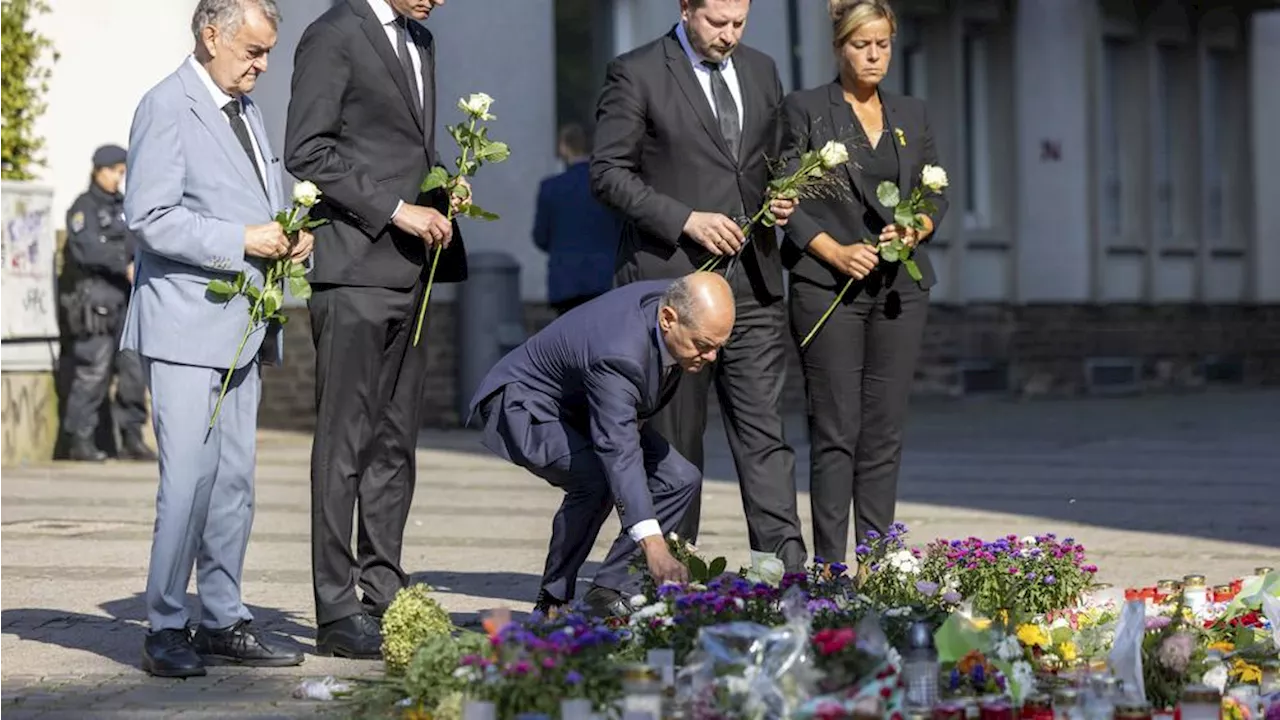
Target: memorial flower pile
x=1009, y=618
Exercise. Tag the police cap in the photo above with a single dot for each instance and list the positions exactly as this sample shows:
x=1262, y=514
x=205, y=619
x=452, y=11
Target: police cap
x=109, y=155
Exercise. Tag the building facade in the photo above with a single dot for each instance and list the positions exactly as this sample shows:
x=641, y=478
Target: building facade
x=1114, y=221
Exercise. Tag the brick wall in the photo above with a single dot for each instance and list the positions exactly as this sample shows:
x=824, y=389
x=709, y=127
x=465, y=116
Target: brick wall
x=1032, y=350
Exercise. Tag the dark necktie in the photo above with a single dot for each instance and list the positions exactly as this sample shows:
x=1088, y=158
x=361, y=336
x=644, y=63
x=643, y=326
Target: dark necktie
x=670, y=379
x=406, y=64
x=726, y=108
x=238, y=126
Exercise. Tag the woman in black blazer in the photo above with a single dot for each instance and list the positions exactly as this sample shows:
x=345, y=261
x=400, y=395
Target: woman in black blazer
x=858, y=368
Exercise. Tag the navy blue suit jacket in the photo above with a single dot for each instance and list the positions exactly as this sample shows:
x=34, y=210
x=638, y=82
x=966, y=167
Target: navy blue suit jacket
x=584, y=383
x=579, y=235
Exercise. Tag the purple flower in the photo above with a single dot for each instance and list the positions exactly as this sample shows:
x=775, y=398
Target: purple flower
x=873, y=535
x=817, y=560
x=838, y=568
x=1175, y=653
x=863, y=550
x=951, y=596
x=573, y=677
x=1032, y=576
x=1158, y=622
x=1050, y=580
x=927, y=588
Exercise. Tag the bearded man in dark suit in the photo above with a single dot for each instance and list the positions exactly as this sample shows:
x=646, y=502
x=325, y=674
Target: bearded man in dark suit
x=361, y=127
x=685, y=128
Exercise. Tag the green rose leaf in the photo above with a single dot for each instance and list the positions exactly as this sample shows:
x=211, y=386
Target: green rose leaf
x=889, y=253
x=297, y=269
x=480, y=214
x=717, y=567
x=272, y=299
x=222, y=289
x=769, y=219
x=493, y=152
x=903, y=216
x=253, y=291
x=299, y=287
x=697, y=570
x=912, y=269
x=888, y=195
x=437, y=178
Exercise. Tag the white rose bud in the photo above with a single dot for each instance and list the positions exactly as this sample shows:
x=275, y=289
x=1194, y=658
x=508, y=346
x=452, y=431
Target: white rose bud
x=306, y=194
x=833, y=154
x=477, y=105
x=934, y=177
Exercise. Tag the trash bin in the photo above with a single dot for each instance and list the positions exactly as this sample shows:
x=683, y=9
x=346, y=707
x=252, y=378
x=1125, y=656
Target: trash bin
x=490, y=320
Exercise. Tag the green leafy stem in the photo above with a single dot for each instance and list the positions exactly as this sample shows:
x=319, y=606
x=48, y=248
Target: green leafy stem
x=905, y=214
x=791, y=187
x=476, y=150
x=266, y=302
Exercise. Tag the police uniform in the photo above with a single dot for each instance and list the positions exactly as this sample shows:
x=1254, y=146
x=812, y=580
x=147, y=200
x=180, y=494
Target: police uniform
x=100, y=247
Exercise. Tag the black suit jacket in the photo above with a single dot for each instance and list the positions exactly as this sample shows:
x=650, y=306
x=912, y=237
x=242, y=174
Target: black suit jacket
x=352, y=131
x=659, y=155
x=813, y=117
x=596, y=370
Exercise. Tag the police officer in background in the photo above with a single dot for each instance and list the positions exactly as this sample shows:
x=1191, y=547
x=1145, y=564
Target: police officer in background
x=96, y=284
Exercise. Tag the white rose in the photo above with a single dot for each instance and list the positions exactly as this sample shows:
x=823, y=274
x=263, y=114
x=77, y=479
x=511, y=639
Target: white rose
x=639, y=600
x=306, y=194
x=477, y=105
x=833, y=154
x=1216, y=677
x=934, y=177
x=1009, y=649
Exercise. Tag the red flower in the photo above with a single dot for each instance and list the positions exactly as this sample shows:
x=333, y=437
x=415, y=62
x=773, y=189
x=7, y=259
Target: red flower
x=829, y=711
x=885, y=692
x=832, y=641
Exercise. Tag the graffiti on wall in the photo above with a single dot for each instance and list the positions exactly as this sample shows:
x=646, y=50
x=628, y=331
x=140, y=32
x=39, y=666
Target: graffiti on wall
x=27, y=265
x=30, y=417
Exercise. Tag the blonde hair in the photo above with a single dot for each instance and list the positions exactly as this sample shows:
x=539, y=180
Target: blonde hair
x=849, y=15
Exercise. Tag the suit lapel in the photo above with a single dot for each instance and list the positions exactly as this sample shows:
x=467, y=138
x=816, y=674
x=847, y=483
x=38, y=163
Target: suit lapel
x=678, y=64
x=838, y=112
x=216, y=123
x=378, y=38
x=750, y=95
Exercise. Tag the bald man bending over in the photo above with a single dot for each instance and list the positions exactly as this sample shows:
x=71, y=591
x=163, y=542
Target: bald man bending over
x=570, y=405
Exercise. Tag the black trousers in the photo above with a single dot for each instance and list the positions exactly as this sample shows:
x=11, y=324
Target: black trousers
x=369, y=382
x=95, y=358
x=858, y=372
x=749, y=376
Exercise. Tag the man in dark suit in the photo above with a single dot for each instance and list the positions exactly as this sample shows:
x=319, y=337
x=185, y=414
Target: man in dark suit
x=361, y=126
x=571, y=405
x=685, y=128
x=579, y=235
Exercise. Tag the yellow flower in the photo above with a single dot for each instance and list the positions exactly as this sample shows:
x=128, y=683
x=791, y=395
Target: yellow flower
x=1223, y=647
x=416, y=713
x=1245, y=673
x=902, y=137
x=1068, y=651
x=1033, y=635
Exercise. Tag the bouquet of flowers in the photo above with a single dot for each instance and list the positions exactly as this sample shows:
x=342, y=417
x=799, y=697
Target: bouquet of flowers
x=266, y=302
x=811, y=178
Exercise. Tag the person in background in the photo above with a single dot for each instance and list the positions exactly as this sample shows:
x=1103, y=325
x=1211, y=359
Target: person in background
x=579, y=235
x=859, y=367
x=98, y=274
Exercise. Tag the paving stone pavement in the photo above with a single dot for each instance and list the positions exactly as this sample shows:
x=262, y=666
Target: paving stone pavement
x=1153, y=486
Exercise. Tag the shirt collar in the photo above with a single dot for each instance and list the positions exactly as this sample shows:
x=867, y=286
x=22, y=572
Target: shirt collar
x=667, y=360
x=219, y=96
x=383, y=11
x=694, y=57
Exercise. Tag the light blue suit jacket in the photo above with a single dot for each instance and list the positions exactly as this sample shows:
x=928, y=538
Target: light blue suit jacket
x=190, y=194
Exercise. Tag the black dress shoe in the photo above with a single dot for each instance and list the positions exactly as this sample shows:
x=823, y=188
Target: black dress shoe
x=603, y=602
x=241, y=644
x=135, y=449
x=82, y=449
x=548, y=605
x=168, y=653
x=356, y=636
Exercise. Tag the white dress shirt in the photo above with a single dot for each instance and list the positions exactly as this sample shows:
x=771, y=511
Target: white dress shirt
x=220, y=99
x=703, y=73
x=387, y=18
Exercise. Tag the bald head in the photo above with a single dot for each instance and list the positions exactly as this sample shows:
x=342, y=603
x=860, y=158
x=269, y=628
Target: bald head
x=696, y=316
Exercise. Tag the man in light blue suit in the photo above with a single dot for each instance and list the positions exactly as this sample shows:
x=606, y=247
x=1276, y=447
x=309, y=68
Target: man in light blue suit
x=202, y=192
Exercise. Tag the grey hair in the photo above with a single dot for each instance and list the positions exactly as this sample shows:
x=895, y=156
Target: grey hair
x=227, y=15
x=679, y=297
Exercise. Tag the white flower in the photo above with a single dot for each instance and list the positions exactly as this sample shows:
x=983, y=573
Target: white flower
x=1216, y=677
x=904, y=562
x=898, y=612
x=306, y=194
x=1025, y=677
x=1009, y=649
x=766, y=568
x=639, y=601
x=833, y=154
x=933, y=177
x=477, y=105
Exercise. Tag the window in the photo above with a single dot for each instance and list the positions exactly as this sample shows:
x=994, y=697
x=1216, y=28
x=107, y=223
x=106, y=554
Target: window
x=913, y=72
x=977, y=130
x=1173, y=125
x=1119, y=125
x=1224, y=141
